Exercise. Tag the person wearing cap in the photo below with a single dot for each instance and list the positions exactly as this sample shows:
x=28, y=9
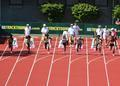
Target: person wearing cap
x=27, y=30
x=71, y=32
x=44, y=31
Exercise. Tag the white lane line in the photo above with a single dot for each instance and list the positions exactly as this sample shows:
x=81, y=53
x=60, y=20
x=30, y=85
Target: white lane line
x=106, y=71
x=51, y=65
x=87, y=62
x=112, y=60
x=6, y=58
x=68, y=78
x=14, y=65
x=74, y=60
x=118, y=47
x=33, y=63
x=42, y=58
x=3, y=52
x=59, y=59
x=93, y=60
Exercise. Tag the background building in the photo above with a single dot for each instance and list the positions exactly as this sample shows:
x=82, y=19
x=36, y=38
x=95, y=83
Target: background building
x=28, y=10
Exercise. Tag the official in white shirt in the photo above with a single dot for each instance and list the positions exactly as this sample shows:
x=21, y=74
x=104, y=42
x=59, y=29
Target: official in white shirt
x=99, y=31
x=76, y=28
x=71, y=30
x=71, y=33
x=27, y=30
x=44, y=31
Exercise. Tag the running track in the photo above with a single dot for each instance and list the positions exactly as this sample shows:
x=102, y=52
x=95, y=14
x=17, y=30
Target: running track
x=88, y=68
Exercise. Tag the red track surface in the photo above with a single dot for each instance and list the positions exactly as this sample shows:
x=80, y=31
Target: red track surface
x=88, y=68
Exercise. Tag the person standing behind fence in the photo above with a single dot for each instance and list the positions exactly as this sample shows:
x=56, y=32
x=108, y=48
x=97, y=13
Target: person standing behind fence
x=99, y=31
x=27, y=30
x=71, y=33
x=105, y=34
x=76, y=28
x=44, y=31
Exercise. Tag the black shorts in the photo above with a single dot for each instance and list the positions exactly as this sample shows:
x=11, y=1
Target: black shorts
x=64, y=42
x=10, y=45
x=111, y=44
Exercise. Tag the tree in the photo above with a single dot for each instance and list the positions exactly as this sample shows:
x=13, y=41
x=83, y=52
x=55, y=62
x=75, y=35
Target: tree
x=85, y=12
x=116, y=12
x=54, y=11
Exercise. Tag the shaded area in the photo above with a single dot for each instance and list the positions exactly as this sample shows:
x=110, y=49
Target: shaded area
x=3, y=35
x=16, y=53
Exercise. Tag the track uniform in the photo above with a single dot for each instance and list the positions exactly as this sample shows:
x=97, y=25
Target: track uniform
x=47, y=42
x=10, y=42
x=64, y=42
x=79, y=43
x=77, y=29
x=27, y=30
x=71, y=32
x=98, y=43
x=112, y=41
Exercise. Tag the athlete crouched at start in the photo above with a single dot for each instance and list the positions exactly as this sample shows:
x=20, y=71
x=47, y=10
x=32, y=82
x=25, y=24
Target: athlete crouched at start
x=98, y=43
x=112, y=44
x=64, y=42
x=28, y=43
x=10, y=43
x=79, y=43
x=47, y=43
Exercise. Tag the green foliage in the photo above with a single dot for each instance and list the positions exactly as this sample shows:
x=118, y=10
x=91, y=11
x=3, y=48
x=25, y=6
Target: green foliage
x=85, y=12
x=116, y=12
x=54, y=11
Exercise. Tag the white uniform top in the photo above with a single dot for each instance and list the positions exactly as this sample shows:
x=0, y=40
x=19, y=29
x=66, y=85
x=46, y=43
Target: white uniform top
x=44, y=30
x=65, y=33
x=27, y=30
x=71, y=31
x=76, y=28
x=105, y=33
x=99, y=31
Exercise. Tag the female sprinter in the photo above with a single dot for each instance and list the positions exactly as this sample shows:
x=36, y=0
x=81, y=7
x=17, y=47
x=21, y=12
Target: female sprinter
x=64, y=42
x=112, y=45
x=10, y=43
x=98, y=43
x=47, y=42
x=28, y=43
x=79, y=43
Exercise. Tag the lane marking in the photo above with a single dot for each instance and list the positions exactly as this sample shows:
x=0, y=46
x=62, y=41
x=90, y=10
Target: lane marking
x=6, y=58
x=87, y=62
x=74, y=60
x=14, y=65
x=51, y=65
x=42, y=58
x=60, y=58
x=69, y=65
x=93, y=60
x=106, y=71
x=118, y=47
x=112, y=60
x=33, y=64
